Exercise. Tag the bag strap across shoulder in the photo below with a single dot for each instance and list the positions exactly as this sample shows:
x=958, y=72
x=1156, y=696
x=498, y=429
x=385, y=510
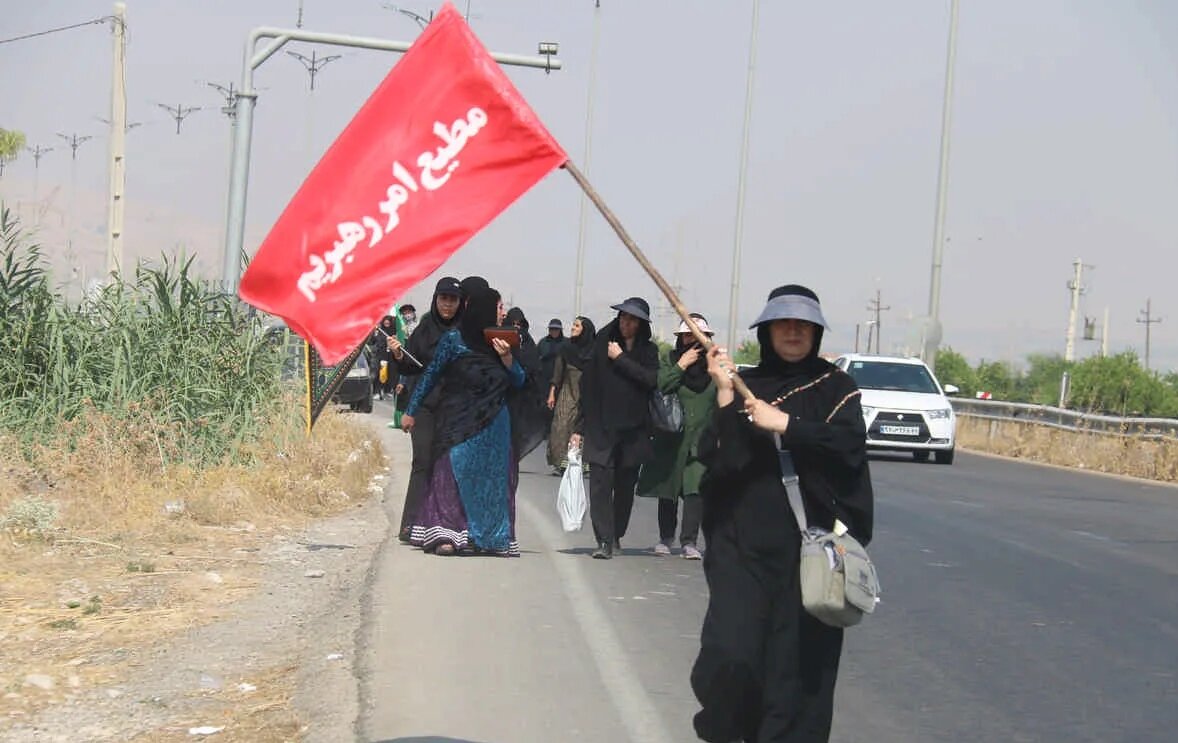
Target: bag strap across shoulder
x=793, y=489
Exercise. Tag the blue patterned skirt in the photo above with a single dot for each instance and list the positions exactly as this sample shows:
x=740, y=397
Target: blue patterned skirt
x=470, y=498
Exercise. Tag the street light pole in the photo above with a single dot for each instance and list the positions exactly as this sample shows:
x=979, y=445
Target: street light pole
x=38, y=153
x=418, y=18
x=313, y=65
x=74, y=141
x=583, y=221
x=932, y=336
x=179, y=112
x=738, y=237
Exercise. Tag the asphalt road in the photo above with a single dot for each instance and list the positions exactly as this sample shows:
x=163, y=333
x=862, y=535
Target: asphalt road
x=1021, y=603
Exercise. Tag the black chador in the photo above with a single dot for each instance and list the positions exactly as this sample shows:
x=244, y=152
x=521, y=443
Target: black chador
x=766, y=669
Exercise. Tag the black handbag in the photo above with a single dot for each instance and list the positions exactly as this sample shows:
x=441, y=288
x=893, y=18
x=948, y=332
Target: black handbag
x=666, y=411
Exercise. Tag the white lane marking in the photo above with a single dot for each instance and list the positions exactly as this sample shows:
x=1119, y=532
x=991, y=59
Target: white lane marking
x=967, y=504
x=1090, y=535
x=629, y=696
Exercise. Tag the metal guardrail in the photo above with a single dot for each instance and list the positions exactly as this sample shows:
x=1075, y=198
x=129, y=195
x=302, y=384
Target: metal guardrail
x=1071, y=420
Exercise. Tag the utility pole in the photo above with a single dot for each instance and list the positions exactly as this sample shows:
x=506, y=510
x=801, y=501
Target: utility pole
x=932, y=334
x=1104, y=335
x=38, y=153
x=876, y=306
x=118, y=140
x=738, y=228
x=1147, y=319
x=1077, y=288
x=179, y=112
x=75, y=141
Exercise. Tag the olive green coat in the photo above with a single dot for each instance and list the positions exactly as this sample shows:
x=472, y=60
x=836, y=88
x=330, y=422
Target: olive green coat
x=675, y=469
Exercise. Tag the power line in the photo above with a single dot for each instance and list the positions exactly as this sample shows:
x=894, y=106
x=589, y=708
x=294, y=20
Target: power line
x=104, y=19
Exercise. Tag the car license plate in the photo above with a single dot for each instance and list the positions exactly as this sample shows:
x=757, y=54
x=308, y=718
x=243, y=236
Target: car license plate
x=900, y=430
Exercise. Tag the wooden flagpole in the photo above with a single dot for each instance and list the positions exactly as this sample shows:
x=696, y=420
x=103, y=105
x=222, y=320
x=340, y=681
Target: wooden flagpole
x=659, y=281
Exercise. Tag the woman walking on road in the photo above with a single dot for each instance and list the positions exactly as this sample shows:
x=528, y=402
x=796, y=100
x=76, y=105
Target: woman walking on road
x=614, y=426
x=564, y=393
x=766, y=669
x=675, y=471
x=469, y=502
x=382, y=356
x=442, y=315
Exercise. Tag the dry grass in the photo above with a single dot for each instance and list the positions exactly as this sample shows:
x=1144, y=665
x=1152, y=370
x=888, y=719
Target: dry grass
x=260, y=715
x=104, y=549
x=1121, y=455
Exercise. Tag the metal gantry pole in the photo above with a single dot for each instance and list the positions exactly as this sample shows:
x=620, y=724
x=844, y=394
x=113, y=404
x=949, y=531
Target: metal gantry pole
x=247, y=99
x=738, y=230
x=583, y=219
x=932, y=336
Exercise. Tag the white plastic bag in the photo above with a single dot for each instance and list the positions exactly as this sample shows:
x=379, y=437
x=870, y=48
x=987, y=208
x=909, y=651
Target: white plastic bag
x=570, y=499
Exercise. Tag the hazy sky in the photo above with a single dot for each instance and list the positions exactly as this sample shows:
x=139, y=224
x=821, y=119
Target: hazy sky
x=1064, y=145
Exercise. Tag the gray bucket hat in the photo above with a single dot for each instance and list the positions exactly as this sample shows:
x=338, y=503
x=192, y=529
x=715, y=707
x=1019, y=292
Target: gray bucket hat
x=635, y=306
x=792, y=307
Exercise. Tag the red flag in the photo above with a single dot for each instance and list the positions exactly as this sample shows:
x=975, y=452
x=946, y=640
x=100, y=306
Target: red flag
x=443, y=146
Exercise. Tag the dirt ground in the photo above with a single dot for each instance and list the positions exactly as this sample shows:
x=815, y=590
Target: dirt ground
x=241, y=633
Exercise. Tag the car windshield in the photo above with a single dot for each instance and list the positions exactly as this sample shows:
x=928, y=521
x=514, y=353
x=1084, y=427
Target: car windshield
x=883, y=375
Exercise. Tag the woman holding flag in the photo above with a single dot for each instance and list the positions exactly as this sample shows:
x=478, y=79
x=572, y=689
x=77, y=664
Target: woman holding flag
x=469, y=499
x=441, y=318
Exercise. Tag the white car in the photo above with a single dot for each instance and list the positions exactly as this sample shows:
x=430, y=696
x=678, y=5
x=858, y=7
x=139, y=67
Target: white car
x=904, y=406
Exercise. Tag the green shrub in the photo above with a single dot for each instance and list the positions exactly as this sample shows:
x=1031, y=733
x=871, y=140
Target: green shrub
x=173, y=365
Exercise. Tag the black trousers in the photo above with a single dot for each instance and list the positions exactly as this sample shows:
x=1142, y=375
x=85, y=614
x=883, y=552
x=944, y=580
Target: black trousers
x=611, y=499
x=387, y=387
x=420, y=470
x=693, y=507
x=766, y=669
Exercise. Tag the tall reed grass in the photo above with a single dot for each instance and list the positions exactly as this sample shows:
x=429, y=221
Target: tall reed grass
x=167, y=363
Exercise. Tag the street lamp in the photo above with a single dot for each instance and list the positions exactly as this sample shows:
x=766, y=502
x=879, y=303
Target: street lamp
x=549, y=49
x=738, y=237
x=421, y=20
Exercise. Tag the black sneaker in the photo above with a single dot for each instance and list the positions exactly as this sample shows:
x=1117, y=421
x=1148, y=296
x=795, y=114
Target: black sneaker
x=604, y=551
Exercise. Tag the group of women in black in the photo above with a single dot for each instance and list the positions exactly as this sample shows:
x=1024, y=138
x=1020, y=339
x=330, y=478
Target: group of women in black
x=766, y=669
